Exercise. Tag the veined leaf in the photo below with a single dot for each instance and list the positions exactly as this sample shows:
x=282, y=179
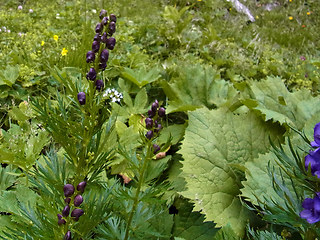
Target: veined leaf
x=275, y=102
x=198, y=86
x=190, y=225
x=215, y=142
x=141, y=76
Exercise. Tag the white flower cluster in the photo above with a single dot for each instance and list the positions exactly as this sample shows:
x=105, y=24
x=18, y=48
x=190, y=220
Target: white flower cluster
x=113, y=94
x=4, y=29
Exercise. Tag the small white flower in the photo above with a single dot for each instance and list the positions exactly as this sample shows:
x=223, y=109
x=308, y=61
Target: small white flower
x=30, y=10
x=4, y=28
x=113, y=99
x=8, y=31
x=94, y=10
x=20, y=34
x=19, y=7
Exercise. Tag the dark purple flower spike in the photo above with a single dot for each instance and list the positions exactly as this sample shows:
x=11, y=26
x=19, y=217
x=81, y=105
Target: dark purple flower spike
x=104, y=56
x=95, y=46
x=66, y=211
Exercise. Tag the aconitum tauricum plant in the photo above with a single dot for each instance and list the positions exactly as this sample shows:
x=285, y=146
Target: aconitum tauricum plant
x=80, y=125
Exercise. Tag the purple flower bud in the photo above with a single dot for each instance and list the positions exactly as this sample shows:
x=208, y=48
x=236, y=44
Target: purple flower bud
x=61, y=221
x=66, y=211
x=82, y=101
x=149, y=134
x=104, y=37
x=68, y=189
x=149, y=123
x=155, y=106
x=162, y=112
x=78, y=200
x=158, y=127
x=67, y=200
x=67, y=236
x=151, y=113
x=59, y=216
x=103, y=13
x=102, y=66
x=97, y=37
x=76, y=213
x=112, y=28
x=99, y=28
x=81, y=186
x=90, y=56
x=104, y=55
x=111, y=42
x=91, y=75
x=113, y=18
x=105, y=20
x=95, y=46
x=99, y=84
x=156, y=148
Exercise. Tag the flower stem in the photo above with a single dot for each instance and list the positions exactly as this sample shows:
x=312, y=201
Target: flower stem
x=136, y=197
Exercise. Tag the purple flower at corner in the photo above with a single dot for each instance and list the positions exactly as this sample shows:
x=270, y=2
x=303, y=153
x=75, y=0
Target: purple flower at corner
x=316, y=136
x=313, y=160
x=311, y=210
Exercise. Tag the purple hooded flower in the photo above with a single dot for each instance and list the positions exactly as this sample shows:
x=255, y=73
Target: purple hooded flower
x=104, y=56
x=66, y=211
x=78, y=200
x=67, y=236
x=102, y=66
x=155, y=106
x=149, y=123
x=81, y=186
x=149, y=134
x=91, y=75
x=313, y=160
x=311, y=210
x=97, y=37
x=68, y=189
x=82, y=101
x=90, y=56
x=104, y=37
x=316, y=136
x=102, y=14
x=110, y=43
x=99, y=85
x=112, y=28
x=76, y=213
x=151, y=113
x=162, y=112
x=156, y=148
x=99, y=28
x=105, y=20
x=113, y=18
x=95, y=46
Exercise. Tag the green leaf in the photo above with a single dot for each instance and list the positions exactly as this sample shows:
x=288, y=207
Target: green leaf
x=226, y=233
x=141, y=76
x=190, y=225
x=9, y=75
x=198, y=86
x=215, y=142
x=274, y=101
